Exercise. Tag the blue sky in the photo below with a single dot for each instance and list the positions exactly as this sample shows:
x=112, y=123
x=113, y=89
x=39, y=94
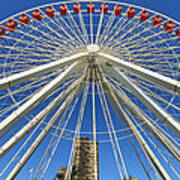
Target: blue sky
x=170, y=8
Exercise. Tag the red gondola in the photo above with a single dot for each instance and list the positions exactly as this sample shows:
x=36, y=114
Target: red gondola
x=144, y=16
x=131, y=12
x=50, y=12
x=90, y=8
x=169, y=26
x=178, y=33
x=24, y=19
x=37, y=15
x=77, y=8
x=104, y=8
x=157, y=20
x=63, y=9
x=11, y=25
x=117, y=10
x=2, y=32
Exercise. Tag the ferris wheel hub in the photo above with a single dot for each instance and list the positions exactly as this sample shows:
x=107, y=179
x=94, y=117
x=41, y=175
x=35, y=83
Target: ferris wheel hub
x=93, y=48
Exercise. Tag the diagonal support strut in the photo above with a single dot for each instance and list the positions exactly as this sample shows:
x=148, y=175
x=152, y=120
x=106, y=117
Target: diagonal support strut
x=147, y=74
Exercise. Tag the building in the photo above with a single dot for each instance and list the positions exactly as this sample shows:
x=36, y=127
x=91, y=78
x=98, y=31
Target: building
x=61, y=173
x=86, y=160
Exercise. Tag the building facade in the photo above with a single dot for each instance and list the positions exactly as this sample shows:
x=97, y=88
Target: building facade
x=61, y=173
x=86, y=160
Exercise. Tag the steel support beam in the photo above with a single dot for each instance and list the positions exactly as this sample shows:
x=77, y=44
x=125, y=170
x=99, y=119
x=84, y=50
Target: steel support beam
x=37, y=98
x=37, y=119
x=148, y=75
x=126, y=101
x=147, y=150
x=14, y=79
x=147, y=101
x=39, y=139
x=149, y=153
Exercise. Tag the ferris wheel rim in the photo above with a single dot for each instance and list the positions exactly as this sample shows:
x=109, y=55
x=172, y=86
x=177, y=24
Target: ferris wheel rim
x=67, y=1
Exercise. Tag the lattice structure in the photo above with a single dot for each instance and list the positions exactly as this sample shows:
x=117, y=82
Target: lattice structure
x=104, y=70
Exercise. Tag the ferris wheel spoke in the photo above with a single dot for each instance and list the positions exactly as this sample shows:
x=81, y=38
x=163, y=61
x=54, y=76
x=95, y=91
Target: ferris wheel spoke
x=99, y=27
x=113, y=32
x=157, y=148
x=135, y=25
x=28, y=97
x=37, y=98
x=29, y=86
x=61, y=39
x=125, y=100
x=37, y=119
x=66, y=41
x=109, y=124
x=163, y=115
x=91, y=28
x=33, y=43
x=15, y=156
x=25, y=98
x=75, y=92
x=38, y=140
x=23, y=34
x=40, y=39
x=151, y=156
x=147, y=38
x=83, y=26
x=146, y=29
x=78, y=124
x=157, y=96
x=153, y=50
x=111, y=140
x=47, y=55
x=106, y=30
x=144, y=73
x=78, y=30
x=144, y=42
x=152, y=94
x=59, y=22
x=144, y=166
x=10, y=81
x=26, y=49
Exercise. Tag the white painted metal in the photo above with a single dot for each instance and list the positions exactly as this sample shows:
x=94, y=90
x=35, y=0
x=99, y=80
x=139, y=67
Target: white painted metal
x=111, y=130
x=126, y=101
x=37, y=119
x=39, y=139
x=151, y=156
x=12, y=80
x=37, y=98
x=149, y=153
x=153, y=106
x=148, y=75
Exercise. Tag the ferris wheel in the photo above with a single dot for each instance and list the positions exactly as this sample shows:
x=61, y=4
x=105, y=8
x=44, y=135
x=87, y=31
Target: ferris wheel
x=104, y=70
